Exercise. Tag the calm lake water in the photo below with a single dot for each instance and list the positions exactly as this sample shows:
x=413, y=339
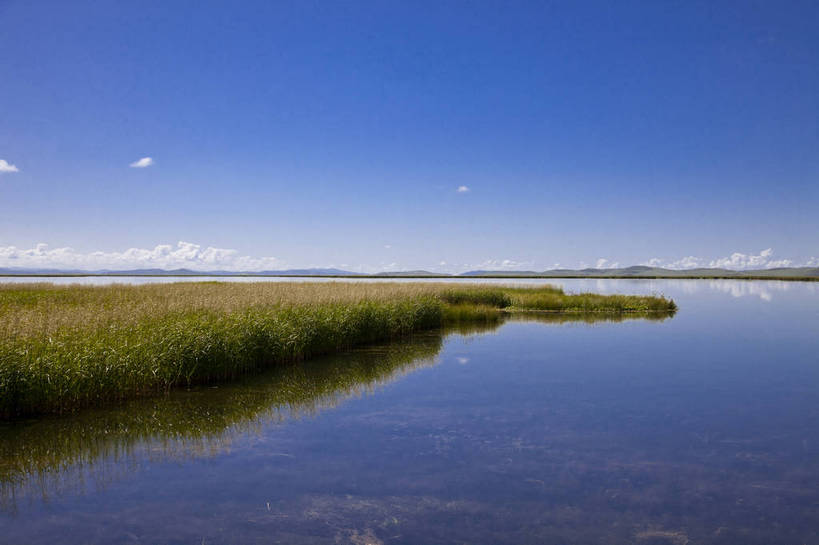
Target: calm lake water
x=701, y=428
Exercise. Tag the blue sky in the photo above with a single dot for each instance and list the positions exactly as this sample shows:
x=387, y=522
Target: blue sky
x=295, y=134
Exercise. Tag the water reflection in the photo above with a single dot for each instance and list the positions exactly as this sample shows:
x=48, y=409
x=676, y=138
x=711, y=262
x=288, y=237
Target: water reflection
x=699, y=429
x=41, y=458
x=765, y=290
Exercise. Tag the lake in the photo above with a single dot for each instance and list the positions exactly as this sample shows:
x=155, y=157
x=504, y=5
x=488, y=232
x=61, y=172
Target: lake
x=701, y=428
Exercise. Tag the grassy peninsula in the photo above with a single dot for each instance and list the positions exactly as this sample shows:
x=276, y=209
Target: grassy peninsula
x=66, y=347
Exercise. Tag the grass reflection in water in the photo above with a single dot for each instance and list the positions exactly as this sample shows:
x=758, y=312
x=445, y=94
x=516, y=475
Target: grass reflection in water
x=51, y=455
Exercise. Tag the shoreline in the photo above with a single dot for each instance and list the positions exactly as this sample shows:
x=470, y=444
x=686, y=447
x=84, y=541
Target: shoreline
x=63, y=348
x=422, y=277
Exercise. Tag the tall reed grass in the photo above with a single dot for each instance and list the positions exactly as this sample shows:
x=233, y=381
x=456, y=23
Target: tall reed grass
x=49, y=456
x=65, y=347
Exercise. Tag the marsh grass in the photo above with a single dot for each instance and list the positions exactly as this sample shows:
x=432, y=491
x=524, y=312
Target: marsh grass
x=65, y=347
x=54, y=455
x=557, y=301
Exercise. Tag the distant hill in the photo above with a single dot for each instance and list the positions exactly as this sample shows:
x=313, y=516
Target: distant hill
x=642, y=271
x=410, y=273
x=308, y=272
x=173, y=272
x=637, y=271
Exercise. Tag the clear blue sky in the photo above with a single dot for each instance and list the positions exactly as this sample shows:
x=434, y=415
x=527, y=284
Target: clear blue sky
x=338, y=133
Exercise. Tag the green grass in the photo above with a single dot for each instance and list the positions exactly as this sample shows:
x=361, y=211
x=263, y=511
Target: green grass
x=557, y=301
x=66, y=347
x=43, y=456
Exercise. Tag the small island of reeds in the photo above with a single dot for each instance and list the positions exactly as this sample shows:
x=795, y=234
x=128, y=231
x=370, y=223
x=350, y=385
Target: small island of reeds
x=67, y=347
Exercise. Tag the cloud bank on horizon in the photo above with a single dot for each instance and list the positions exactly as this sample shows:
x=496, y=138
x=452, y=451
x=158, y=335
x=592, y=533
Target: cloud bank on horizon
x=736, y=261
x=163, y=256
x=187, y=255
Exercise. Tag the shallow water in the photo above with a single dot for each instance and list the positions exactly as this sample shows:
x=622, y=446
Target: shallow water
x=702, y=428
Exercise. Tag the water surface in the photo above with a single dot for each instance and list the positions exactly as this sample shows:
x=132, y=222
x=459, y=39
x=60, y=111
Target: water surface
x=702, y=428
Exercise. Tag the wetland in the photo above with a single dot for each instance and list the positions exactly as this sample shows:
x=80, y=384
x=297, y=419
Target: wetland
x=696, y=427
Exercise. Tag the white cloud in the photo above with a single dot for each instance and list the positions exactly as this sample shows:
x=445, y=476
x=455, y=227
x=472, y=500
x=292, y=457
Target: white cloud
x=462, y=189
x=603, y=263
x=741, y=261
x=5, y=166
x=388, y=246
x=687, y=262
x=142, y=163
x=813, y=262
x=501, y=264
x=164, y=256
x=736, y=261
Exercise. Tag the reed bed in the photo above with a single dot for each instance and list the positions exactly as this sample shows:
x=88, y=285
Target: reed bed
x=51, y=456
x=65, y=347
x=557, y=301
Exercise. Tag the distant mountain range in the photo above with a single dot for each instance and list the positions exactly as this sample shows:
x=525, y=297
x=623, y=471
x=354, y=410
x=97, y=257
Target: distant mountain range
x=643, y=271
x=638, y=271
x=172, y=272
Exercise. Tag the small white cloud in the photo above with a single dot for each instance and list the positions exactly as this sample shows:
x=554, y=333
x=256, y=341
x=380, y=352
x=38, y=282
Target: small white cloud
x=388, y=246
x=688, y=262
x=501, y=264
x=462, y=189
x=603, y=263
x=462, y=360
x=5, y=166
x=142, y=163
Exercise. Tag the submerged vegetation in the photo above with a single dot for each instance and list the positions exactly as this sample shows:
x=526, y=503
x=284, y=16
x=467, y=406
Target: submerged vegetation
x=64, y=347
